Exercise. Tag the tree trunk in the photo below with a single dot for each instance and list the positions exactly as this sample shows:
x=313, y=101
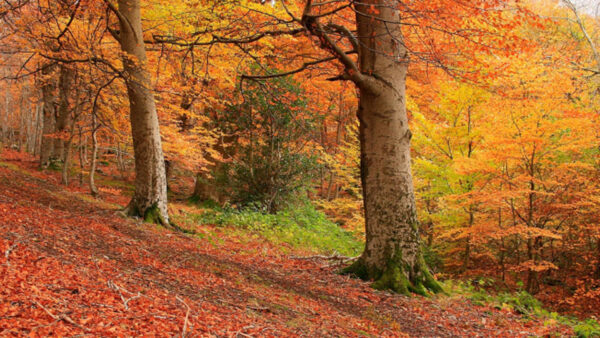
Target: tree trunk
x=392, y=256
x=93, y=188
x=63, y=116
x=49, y=115
x=597, y=272
x=467, y=256
x=39, y=125
x=150, y=198
x=67, y=144
x=66, y=161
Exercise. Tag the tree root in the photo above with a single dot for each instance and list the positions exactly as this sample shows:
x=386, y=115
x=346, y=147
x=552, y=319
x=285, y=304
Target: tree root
x=152, y=215
x=398, y=277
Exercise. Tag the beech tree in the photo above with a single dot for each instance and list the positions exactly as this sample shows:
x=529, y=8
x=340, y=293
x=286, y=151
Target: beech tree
x=373, y=42
x=150, y=198
x=392, y=254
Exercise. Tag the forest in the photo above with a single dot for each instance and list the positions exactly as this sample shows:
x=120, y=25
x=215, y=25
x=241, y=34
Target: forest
x=249, y=168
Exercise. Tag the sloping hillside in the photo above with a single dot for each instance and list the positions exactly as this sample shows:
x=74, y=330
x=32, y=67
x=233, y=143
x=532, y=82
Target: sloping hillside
x=70, y=265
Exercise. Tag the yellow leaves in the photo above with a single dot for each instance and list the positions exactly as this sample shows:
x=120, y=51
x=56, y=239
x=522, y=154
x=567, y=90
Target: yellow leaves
x=513, y=163
x=538, y=266
x=530, y=232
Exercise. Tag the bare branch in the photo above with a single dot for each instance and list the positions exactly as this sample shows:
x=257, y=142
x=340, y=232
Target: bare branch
x=581, y=25
x=187, y=315
x=291, y=72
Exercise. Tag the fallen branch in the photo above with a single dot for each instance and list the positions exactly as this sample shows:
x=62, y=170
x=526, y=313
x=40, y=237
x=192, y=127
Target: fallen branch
x=8, y=251
x=60, y=317
x=126, y=301
x=334, y=257
x=187, y=315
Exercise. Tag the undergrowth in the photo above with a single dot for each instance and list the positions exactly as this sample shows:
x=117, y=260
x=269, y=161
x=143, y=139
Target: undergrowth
x=523, y=303
x=301, y=227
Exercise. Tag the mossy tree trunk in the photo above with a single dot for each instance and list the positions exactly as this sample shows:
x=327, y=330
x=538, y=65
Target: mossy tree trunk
x=393, y=256
x=150, y=198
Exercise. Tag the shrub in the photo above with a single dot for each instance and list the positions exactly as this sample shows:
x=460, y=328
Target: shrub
x=273, y=159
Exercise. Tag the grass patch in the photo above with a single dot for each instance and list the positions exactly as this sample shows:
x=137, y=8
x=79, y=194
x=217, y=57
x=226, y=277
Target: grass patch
x=301, y=227
x=522, y=303
x=124, y=186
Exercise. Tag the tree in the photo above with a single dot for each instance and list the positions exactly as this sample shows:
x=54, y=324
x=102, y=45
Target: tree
x=150, y=197
x=49, y=113
x=386, y=36
x=392, y=253
x=273, y=156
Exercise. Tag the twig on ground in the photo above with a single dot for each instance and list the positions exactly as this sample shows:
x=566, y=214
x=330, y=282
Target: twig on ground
x=258, y=308
x=62, y=317
x=126, y=301
x=187, y=315
x=8, y=251
x=334, y=257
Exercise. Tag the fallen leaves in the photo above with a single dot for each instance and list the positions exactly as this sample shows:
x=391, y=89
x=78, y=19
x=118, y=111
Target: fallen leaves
x=78, y=268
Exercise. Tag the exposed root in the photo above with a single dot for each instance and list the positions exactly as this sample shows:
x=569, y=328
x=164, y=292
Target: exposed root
x=153, y=215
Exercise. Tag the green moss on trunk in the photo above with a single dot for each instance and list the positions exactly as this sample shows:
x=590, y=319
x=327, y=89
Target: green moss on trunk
x=150, y=215
x=398, y=276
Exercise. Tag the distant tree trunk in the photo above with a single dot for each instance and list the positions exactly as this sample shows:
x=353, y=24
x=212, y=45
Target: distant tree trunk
x=93, y=188
x=597, y=272
x=467, y=256
x=150, y=198
x=502, y=248
x=48, y=115
x=121, y=160
x=39, y=126
x=63, y=116
x=533, y=280
x=5, y=117
x=392, y=255
x=66, y=144
x=81, y=149
x=66, y=161
x=30, y=133
x=23, y=119
x=22, y=130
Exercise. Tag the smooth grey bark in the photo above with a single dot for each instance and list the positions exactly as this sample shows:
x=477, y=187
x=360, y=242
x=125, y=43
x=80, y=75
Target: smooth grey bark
x=150, y=198
x=392, y=255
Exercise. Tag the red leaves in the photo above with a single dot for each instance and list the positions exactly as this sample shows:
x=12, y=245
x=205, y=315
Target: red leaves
x=78, y=268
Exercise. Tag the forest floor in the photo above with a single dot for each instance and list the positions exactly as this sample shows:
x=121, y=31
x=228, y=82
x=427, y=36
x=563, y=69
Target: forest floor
x=71, y=265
